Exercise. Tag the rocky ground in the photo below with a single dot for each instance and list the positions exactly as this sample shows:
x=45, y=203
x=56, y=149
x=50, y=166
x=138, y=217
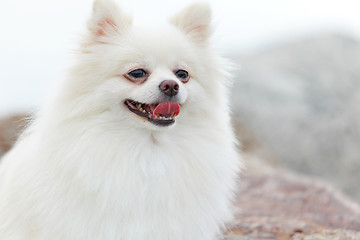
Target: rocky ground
x=272, y=204
x=280, y=205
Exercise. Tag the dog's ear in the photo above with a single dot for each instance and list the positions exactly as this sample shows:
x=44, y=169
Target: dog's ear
x=195, y=22
x=107, y=19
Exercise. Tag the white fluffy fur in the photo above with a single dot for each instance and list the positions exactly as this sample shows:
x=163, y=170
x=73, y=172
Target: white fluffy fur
x=88, y=168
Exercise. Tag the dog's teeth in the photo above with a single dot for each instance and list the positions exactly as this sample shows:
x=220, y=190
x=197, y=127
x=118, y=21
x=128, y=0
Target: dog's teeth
x=143, y=111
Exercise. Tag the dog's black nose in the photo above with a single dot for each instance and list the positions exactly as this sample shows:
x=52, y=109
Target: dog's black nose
x=169, y=87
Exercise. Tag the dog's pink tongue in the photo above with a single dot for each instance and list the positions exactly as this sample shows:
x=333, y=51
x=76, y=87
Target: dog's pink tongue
x=169, y=109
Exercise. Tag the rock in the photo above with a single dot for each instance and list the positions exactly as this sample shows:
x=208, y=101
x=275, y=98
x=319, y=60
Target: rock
x=10, y=128
x=280, y=205
x=303, y=97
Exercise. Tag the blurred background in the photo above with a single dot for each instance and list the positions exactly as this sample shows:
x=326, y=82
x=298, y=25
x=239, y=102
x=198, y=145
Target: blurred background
x=296, y=98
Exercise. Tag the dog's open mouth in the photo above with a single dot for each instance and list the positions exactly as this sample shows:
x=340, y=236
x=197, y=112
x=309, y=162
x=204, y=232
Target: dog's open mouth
x=161, y=114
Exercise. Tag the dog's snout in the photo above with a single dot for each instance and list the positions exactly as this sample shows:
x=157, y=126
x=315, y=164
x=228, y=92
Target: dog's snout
x=169, y=87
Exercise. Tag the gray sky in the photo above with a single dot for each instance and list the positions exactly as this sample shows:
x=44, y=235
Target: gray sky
x=38, y=36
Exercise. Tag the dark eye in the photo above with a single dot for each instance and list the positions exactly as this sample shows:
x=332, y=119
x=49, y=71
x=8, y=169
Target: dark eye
x=137, y=73
x=182, y=75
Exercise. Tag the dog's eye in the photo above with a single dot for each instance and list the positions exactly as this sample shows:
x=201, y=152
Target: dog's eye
x=182, y=75
x=137, y=73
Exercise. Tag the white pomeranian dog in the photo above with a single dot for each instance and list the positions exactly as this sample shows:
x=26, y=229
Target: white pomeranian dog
x=137, y=144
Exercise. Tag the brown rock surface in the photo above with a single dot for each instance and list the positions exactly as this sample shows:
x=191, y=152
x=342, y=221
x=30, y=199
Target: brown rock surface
x=10, y=128
x=272, y=204
x=279, y=205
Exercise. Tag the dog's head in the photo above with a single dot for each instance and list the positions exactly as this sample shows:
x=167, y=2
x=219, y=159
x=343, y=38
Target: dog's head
x=147, y=75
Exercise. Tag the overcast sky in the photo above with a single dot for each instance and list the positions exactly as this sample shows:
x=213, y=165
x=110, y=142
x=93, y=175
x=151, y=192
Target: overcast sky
x=37, y=36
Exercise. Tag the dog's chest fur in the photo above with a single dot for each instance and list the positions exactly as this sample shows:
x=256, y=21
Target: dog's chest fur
x=144, y=187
